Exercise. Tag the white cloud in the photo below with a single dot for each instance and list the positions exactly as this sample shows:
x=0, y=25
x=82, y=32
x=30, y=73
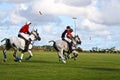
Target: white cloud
x=111, y=12
x=76, y=3
x=16, y=19
x=49, y=7
x=91, y=25
x=16, y=1
x=104, y=13
x=97, y=30
x=97, y=16
x=23, y=6
x=107, y=12
x=47, y=28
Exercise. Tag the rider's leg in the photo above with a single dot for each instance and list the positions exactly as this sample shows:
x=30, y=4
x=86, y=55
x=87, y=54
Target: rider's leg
x=69, y=45
x=26, y=36
x=27, y=42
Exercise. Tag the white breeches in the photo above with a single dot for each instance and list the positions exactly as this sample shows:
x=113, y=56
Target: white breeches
x=26, y=36
x=68, y=40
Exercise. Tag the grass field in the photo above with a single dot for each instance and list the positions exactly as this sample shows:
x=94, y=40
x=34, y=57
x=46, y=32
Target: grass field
x=46, y=66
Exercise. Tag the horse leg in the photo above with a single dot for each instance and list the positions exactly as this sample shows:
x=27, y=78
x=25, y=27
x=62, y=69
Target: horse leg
x=15, y=56
x=75, y=53
x=30, y=56
x=65, y=55
x=68, y=56
x=5, y=56
x=21, y=57
x=60, y=53
x=58, y=56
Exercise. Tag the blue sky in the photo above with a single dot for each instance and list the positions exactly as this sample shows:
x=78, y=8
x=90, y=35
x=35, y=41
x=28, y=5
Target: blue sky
x=97, y=23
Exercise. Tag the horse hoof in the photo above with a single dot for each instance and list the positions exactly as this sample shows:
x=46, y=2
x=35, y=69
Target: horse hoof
x=27, y=59
x=4, y=60
x=19, y=61
x=75, y=59
x=64, y=61
x=15, y=60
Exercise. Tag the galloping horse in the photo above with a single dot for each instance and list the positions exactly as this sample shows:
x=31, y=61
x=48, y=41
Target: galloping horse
x=62, y=46
x=18, y=43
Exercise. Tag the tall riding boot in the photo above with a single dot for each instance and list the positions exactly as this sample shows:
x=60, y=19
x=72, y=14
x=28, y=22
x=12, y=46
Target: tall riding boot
x=27, y=45
x=70, y=47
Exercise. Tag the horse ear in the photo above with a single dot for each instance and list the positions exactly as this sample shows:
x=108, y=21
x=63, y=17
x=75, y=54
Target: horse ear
x=35, y=30
x=77, y=35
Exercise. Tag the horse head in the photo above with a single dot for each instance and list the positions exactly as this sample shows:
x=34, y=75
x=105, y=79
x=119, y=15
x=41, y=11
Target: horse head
x=36, y=35
x=76, y=40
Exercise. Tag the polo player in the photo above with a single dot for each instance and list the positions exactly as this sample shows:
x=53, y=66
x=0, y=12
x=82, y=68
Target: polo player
x=24, y=33
x=67, y=36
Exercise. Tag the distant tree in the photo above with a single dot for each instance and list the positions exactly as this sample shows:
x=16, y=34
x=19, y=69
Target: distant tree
x=79, y=49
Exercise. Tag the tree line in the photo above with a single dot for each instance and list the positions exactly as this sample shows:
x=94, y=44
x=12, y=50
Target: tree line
x=79, y=49
x=45, y=48
x=107, y=50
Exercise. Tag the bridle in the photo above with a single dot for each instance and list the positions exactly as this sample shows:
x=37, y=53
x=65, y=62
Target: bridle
x=36, y=35
x=76, y=40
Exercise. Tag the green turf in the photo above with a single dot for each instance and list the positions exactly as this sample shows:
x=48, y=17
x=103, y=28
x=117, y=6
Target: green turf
x=46, y=66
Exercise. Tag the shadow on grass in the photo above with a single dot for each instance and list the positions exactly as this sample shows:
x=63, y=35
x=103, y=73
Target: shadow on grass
x=41, y=61
x=103, y=69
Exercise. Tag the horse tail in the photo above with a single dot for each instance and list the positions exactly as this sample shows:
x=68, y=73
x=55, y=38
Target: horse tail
x=54, y=45
x=7, y=43
x=52, y=41
x=4, y=39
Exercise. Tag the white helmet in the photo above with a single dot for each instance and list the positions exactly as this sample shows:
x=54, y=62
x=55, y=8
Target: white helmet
x=28, y=22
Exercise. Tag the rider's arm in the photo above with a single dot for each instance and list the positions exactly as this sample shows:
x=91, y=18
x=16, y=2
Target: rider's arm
x=63, y=34
x=73, y=34
x=28, y=32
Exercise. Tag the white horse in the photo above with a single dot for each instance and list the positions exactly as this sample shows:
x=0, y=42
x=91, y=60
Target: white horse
x=18, y=43
x=62, y=46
